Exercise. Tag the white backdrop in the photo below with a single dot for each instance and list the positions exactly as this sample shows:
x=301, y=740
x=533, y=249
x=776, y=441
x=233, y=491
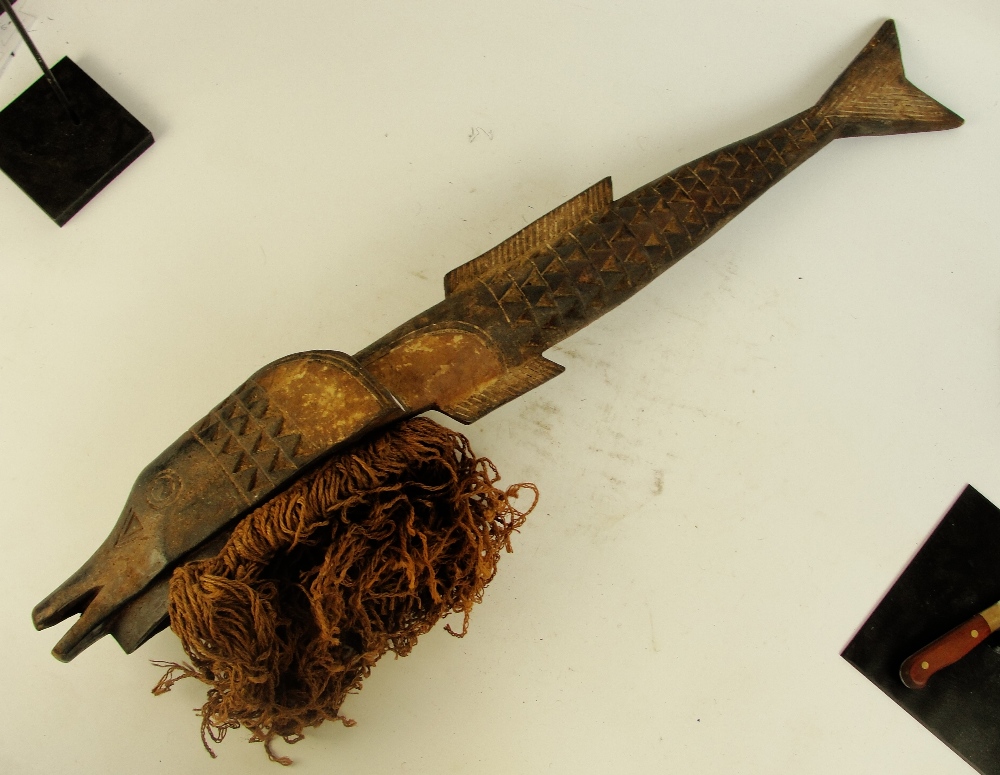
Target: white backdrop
x=734, y=467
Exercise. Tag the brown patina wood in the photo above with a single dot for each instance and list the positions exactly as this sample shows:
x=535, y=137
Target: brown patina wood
x=479, y=348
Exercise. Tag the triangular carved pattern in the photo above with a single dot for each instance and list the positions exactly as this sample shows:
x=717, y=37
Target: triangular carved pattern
x=700, y=195
x=602, y=260
x=252, y=441
x=131, y=530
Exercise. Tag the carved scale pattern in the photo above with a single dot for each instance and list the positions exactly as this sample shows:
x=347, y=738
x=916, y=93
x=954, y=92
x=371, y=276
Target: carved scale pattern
x=605, y=259
x=254, y=443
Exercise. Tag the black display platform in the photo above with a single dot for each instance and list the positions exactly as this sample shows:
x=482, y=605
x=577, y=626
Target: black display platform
x=955, y=575
x=62, y=165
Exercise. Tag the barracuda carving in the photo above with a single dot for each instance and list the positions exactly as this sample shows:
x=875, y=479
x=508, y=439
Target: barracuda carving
x=480, y=347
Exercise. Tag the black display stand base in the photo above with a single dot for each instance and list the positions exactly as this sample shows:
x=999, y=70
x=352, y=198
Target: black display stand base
x=955, y=575
x=62, y=165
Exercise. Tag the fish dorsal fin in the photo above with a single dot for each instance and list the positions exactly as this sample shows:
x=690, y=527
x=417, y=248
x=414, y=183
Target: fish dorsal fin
x=534, y=235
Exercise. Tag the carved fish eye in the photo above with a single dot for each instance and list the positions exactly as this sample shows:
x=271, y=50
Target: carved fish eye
x=164, y=489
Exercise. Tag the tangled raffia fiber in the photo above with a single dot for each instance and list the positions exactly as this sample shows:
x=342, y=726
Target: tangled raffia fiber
x=357, y=558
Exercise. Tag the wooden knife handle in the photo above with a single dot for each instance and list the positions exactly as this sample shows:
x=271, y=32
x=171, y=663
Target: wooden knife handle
x=946, y=650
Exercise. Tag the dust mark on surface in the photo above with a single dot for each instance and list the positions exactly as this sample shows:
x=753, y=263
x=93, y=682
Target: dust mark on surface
x=541, y=414
x=689, y=408
x=547, y=407
x=658, y=482
x=614, y=481
x=420, y=275
x=543, y=448
x=652, y=633
x=609, y=523
x=624, y=457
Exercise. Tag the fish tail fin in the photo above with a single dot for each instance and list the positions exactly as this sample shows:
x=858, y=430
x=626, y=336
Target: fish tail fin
x=873, y=97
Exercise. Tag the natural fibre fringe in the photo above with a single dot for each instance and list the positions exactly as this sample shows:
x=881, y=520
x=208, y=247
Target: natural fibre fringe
x=357, y=558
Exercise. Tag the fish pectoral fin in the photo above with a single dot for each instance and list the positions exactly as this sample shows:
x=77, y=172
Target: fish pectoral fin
x=551, y=225
x=512, y=383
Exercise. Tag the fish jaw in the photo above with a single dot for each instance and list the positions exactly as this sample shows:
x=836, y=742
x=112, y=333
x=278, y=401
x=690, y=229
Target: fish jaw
x=181, y=496
x=115, y=573
x=283, y=418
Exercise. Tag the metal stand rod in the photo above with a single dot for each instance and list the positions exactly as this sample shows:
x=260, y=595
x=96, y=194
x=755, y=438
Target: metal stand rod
x=6, y=6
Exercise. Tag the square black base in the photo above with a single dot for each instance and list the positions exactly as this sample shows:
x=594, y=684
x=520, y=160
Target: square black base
x=954, y=576
x=59, y=164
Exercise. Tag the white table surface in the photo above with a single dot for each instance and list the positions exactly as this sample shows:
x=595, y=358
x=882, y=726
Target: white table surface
x=734, y=467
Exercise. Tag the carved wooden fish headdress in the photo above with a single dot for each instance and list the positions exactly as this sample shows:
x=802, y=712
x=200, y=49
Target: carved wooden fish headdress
x=480, y=347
